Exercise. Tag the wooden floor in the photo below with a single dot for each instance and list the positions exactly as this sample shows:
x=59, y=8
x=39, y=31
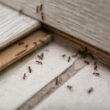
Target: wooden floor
x=17, y=91
x=60, y=79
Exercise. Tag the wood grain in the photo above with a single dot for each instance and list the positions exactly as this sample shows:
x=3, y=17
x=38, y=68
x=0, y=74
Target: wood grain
x=86, y=20
x=14, y=25
x=22, y=48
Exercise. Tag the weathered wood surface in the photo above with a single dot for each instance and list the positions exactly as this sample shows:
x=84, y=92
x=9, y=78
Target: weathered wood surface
x=14, y=25
x=87, y=20
x=22, y=48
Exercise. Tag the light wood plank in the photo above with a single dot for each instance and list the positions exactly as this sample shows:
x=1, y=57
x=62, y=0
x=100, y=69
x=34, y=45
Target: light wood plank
x=14, y=25
x=22, y=48
x=86, y=20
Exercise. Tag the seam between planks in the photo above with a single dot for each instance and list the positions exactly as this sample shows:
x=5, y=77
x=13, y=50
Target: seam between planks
x=50, y=87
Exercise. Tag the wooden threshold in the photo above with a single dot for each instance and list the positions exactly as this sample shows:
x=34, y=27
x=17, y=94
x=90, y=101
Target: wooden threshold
x=23, y=47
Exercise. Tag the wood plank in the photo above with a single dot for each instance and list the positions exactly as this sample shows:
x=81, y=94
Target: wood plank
x=14, y=25
x=15, y=90
x=86, y=20
x=22, y=48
